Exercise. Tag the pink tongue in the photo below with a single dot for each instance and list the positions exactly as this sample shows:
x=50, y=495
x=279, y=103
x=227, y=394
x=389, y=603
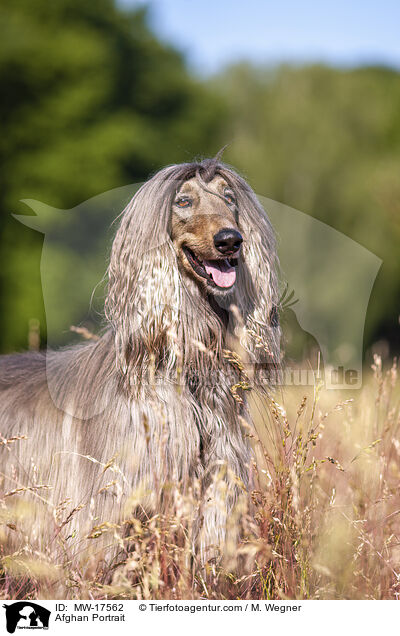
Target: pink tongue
x=223, y=274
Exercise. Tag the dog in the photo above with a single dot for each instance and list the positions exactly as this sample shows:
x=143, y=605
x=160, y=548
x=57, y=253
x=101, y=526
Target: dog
x=160, y=398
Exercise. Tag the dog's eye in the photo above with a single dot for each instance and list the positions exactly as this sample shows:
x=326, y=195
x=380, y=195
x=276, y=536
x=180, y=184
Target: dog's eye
x=229, y=196
x=183, y=202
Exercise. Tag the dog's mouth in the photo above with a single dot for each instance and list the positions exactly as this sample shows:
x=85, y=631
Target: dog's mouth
x=218, y=273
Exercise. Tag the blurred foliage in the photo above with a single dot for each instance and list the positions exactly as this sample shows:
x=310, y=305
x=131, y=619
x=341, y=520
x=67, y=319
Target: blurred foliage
x=326, y=142
x=92, y=101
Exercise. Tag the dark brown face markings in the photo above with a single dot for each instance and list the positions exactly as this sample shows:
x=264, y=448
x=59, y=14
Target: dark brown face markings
x=198, y=267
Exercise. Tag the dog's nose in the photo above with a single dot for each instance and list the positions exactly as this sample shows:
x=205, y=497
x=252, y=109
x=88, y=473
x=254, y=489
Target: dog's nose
x=228, y=241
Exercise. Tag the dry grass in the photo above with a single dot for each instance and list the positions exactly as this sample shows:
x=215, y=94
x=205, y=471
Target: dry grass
x=322, y=522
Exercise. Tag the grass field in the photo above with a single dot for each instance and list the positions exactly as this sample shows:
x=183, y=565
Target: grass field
x=322, y=521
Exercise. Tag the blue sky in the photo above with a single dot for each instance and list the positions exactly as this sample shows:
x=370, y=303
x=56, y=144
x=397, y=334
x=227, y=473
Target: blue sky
x=215, y=33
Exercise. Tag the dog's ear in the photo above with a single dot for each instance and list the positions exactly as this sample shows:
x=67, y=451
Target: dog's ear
x=258, y=284
x=143, y=277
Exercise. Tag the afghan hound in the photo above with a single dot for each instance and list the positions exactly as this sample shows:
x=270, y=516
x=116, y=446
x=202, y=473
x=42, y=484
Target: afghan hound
x=159, y=398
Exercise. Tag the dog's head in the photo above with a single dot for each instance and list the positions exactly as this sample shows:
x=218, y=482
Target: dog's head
x=193, y=242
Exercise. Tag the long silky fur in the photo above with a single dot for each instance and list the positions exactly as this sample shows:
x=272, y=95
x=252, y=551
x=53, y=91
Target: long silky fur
x=150, y=403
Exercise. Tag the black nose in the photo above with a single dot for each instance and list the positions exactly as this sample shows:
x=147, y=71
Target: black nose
x=228, y=241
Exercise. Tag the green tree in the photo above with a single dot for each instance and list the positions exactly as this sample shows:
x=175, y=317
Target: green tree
x=91, y=100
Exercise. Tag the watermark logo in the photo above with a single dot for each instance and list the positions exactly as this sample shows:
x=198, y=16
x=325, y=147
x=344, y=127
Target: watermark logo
x=327, y=282
x=26, y=615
